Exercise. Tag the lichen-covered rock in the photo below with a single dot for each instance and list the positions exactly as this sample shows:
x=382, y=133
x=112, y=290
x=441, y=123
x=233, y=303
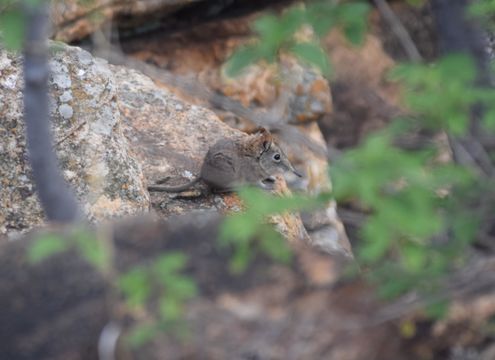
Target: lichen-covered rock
x=75, y=19
x=91, y=148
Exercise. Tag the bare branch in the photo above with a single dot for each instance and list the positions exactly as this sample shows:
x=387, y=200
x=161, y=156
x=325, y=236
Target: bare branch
x=56, y=199
x=457, y=34
x=399, y=30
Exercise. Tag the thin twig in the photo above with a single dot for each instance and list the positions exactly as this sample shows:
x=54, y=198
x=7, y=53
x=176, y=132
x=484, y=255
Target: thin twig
x=71, y=132
x=399, y=30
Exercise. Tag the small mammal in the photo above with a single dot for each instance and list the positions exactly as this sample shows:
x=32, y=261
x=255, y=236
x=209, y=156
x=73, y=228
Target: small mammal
x=231, y=163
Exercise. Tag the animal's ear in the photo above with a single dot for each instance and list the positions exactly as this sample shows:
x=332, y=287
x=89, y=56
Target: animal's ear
x=264, y=139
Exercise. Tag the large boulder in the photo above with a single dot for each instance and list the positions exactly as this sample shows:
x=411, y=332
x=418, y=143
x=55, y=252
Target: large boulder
x=171, y=139
x=93, y=104
x=92, y=150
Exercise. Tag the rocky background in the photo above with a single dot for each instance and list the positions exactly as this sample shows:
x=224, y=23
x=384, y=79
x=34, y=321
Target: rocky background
x=117, y=130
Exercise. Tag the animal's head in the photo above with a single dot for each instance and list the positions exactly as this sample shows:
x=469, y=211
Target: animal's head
x=271, y=157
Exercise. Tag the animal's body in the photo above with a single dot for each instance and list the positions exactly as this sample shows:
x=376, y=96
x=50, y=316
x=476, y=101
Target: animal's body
x=230, y=163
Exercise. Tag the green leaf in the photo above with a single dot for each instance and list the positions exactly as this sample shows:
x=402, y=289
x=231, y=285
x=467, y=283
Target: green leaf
x=414, y=257
x=437, y=310
x=136, y=286
x=291, y=21
x=12, y=28
x=313, y=54
x=141, y=335
x=482, y=8
x=272, y=244
x=355, y=33
x=170, y=263
x=266, y=25
x=45, y=246
x=321, y=15
x=353, y=18
x=489, y=119
x=242, y=58
x=93, y=249
x=181, y=287
x=170, y=308
x=241, y=258
x=238, y=228
x=260, y=203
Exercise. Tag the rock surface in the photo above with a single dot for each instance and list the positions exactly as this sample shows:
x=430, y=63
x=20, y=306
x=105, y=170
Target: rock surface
x=93, y=104
x=363, y=99
x=305, y=95
x=171, y=138
x=92, y=150
x=74, y=19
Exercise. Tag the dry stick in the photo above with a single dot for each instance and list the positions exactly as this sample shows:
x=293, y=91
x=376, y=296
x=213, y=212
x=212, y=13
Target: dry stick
x=58, y=202
x=71, y=132
x=399, y=30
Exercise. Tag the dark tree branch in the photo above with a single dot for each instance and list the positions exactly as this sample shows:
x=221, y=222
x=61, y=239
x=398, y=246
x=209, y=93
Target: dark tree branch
x=399, y=30
x=57, y=200
x=459, y=34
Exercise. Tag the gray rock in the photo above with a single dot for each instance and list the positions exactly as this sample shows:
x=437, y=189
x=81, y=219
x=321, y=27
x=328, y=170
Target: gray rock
x=92, y=150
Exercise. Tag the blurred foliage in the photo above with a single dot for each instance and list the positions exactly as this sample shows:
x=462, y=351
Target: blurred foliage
x=12, y=24
x=13, y=21
x=444, y=100
x=483, y=11
x=45, y=246
x=422, y=212
x=86, y=242
x=248, y=231
x=159, y=284
x=162, y=286
x=420, y=219
x=298, y=30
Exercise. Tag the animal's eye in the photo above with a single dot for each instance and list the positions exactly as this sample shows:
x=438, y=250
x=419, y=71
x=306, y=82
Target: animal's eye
x=276, y=157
